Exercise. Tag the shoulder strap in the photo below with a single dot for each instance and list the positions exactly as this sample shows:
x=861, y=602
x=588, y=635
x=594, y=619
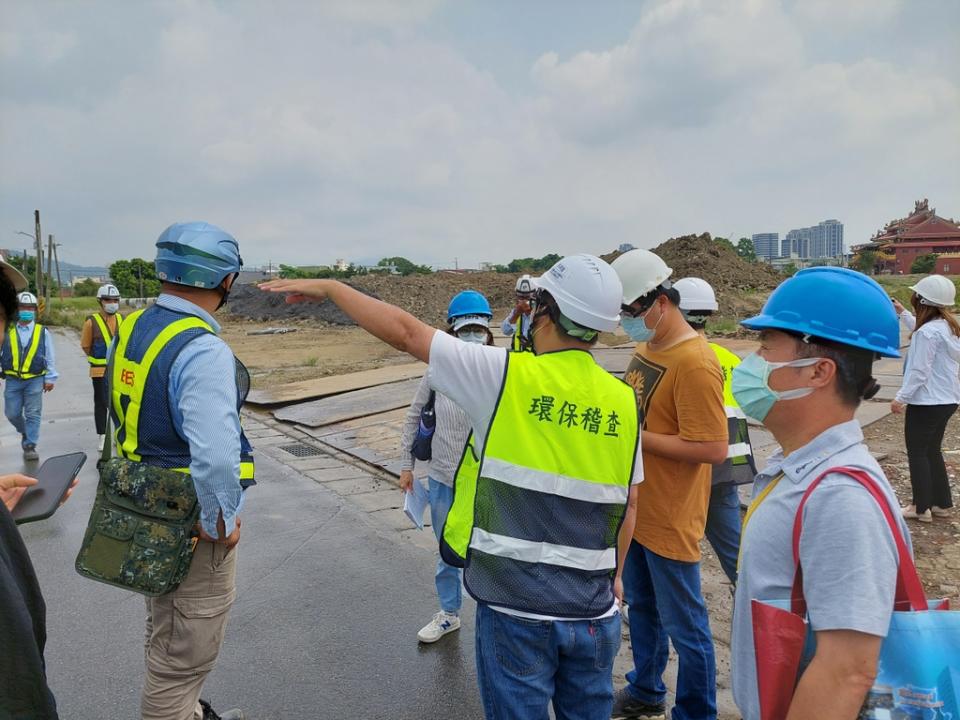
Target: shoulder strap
x=909, y=593
x=430, y=401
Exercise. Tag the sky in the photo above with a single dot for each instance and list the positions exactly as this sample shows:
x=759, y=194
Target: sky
x=470, y=131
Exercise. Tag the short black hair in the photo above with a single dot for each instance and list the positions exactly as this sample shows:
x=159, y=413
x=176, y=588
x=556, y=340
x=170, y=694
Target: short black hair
x=547, y=305
x=665, y=289
x=8, y=301
x=855, y=381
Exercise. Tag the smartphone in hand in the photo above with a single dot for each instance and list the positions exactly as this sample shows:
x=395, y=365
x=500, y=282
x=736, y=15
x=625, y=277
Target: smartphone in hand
x=53, y=480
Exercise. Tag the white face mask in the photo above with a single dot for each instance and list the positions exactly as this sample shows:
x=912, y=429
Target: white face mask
x=111, y=308
x=473, y=336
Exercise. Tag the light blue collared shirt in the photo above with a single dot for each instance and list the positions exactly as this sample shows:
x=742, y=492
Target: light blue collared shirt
x=846, y=549
x=203, y=403
x=25, y=333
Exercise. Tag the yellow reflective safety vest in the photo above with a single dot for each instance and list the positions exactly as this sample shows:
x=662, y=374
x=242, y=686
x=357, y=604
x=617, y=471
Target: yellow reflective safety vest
x=147, y=344
x=535, y=519
x=24, y=363
x=739, y=467
x=101, y=339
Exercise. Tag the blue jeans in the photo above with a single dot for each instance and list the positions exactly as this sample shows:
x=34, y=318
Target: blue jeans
x=449, y=586
x=524, y=664
x=723, y=527
x=23, y=404
x=665, y=601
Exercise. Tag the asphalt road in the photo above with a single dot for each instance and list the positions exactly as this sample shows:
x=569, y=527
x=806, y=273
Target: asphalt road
x=329, y=600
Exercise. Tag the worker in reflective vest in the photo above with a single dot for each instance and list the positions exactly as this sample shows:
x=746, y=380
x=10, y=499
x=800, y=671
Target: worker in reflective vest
x=29, y=367
x=516, y=325
x=175, y=396
x=544, y=500
x=95, y=337
x=698, y=302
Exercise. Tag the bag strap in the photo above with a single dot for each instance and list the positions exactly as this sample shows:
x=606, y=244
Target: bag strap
x=909, y=591
x=428, y=406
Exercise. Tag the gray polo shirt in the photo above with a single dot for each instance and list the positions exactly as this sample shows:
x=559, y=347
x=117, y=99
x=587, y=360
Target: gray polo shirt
x=846, y=549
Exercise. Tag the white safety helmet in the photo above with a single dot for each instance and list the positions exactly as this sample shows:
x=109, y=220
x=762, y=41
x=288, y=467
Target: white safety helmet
x=524, y=285
x=640, y=271
x=936, y=290
x=27, y=298
x=109, y=292
x=586, y=290
x=696, y=294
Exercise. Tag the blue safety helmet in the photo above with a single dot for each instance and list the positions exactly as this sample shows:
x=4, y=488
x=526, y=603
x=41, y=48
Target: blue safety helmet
x=197, y=254
x=836, y=304
x=468, y=302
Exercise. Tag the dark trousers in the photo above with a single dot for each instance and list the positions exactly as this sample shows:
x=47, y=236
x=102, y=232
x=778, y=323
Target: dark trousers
x=100, y=404
x=924, y=429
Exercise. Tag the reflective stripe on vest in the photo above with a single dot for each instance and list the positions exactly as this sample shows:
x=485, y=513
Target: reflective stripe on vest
x=20, y=369
x=739, y=467
x=129, y=379
x=536, y=519
x=516, y=343
x=106, y=335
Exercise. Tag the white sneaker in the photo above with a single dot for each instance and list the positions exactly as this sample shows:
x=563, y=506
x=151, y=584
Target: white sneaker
x=442, y=623
x=940, y=512
x=910, y=513
x=100, y=442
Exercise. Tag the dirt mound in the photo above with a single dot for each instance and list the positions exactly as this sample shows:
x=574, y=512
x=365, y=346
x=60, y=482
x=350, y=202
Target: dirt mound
x=248, y=302
x=732, y=277
x=425, y=296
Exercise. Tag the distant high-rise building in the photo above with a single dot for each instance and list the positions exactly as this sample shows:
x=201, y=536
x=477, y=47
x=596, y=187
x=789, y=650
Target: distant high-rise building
x=824, y=240
x=766, y=245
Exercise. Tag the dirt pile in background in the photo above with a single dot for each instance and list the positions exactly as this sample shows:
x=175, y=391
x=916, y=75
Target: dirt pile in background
x=736, y=282
x=425, y=296
x=250, y=303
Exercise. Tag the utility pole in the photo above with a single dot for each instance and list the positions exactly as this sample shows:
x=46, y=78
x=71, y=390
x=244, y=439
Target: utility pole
x=56, y=259
x=39, y=269
x=49, y=275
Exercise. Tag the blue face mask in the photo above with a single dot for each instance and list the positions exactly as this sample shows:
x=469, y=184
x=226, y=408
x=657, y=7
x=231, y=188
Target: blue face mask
x=27, y=316
x=749, y=384
x=636, y=327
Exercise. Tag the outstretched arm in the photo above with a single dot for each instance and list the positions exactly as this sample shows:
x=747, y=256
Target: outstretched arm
x=387, y=322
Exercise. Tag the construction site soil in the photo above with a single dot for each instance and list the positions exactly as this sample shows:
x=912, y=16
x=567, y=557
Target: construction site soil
x=740, y=286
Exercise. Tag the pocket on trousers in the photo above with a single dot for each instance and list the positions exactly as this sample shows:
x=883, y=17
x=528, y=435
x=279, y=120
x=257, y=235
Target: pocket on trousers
x=606, y=633
x=520, y=645
x=199, y=624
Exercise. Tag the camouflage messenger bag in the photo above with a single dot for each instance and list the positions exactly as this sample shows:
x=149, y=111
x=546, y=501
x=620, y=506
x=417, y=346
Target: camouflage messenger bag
x=142, y=529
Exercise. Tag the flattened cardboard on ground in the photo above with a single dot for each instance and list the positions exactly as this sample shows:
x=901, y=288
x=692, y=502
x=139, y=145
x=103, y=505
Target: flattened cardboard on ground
x=335, y=384
x=347, y=406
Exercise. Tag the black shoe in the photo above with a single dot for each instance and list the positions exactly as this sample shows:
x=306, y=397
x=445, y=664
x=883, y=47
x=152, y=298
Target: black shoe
x=30, y=453
x=209, y=714
x=626, y=707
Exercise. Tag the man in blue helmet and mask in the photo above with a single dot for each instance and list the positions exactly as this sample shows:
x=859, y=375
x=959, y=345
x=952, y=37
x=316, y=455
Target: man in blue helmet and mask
x=820, y=332
x=176, y=392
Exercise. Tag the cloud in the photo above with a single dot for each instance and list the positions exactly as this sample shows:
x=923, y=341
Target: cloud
x=316, y=131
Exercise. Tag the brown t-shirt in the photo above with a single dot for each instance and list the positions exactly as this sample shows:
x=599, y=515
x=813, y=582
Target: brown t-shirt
x=680, y=392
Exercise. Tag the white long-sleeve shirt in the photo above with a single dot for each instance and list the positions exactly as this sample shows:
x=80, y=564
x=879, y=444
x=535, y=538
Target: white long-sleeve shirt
x=931, y=374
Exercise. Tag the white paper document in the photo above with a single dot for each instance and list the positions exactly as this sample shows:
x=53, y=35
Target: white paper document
x=415, y=502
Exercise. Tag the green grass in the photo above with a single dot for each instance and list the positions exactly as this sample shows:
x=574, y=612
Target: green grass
x=69, y=312
x=312, y=361
x=898, y=286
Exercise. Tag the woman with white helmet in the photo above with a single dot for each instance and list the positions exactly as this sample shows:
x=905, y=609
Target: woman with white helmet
x=95, y=337
x=468, y=318
x=930, y=393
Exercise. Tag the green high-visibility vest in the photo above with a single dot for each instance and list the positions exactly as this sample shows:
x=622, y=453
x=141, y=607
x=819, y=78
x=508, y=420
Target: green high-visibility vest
x=535, y=519
x=739, y=467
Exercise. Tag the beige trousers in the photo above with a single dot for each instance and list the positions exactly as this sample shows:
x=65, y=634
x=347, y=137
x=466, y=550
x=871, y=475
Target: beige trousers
x=185, y=630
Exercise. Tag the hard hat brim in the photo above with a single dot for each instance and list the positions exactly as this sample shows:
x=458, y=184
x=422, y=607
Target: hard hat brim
x=15, y=277
x=792, y=326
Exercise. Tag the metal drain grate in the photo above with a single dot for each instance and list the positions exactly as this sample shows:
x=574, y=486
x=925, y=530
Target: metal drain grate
x=300, y=450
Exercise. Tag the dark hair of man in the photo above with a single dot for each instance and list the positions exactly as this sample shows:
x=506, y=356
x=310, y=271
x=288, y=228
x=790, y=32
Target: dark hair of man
x=8, y=301
x=546, y=305
x=666, y=289
x=698, y=318
x=929, y=313
x=855, y=381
